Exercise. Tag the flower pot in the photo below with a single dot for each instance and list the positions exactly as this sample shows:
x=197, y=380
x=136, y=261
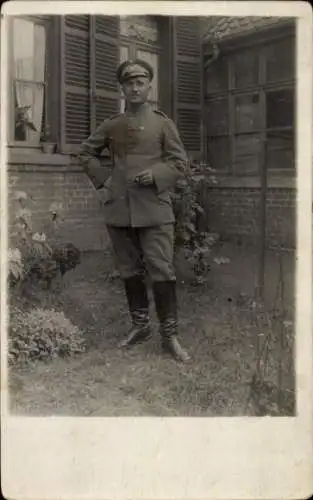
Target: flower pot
x=48, y=147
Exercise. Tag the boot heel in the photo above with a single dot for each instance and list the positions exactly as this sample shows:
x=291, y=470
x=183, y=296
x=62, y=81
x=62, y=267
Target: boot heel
x=166, y=308
x=173, y=347
x=135, y=337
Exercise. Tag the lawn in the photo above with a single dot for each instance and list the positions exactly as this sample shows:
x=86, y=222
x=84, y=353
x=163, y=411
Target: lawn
x=219, y=326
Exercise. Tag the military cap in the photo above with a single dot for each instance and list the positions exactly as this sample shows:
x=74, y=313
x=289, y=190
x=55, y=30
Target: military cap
x=131, y=69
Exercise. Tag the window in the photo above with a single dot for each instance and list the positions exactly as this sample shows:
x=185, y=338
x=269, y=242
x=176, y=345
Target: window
x=218, y=117
x=280, y=61
x=279, y=108
x=219, y=153
x=153, y=60
x=140, y=39
x=247, y=112
x=250, y=102
x=217, y=75
x=28, y=80
x=245, y=69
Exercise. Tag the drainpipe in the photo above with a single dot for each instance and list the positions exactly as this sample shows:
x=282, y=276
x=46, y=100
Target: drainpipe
x=209, y=54
x=173, y=33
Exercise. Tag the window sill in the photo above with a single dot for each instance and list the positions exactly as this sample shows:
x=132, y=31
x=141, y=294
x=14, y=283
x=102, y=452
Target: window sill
x=33, y=160
x=36, y=157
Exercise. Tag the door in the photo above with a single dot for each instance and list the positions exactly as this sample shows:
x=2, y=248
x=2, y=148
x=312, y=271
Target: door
x=139, y=38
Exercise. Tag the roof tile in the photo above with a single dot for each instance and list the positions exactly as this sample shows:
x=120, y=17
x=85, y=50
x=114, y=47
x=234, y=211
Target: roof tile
x=219, y=28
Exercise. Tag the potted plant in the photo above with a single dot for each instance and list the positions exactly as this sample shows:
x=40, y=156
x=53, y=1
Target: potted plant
x=23, y=123
x=46, y=145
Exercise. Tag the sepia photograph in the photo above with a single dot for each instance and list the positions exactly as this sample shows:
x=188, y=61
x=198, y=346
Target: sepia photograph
x=152, y=215
x=152, y=167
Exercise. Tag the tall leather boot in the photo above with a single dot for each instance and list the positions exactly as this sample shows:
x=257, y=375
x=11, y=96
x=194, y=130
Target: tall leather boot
x=138, y=304
x=166, y=308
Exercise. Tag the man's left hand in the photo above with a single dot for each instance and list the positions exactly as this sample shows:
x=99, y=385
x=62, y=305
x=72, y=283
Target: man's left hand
x=145, y=177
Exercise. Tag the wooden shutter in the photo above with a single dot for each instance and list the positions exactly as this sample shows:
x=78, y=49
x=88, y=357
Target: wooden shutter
x=188, y=78
x=106, y=60
x=75, y=108
x=88, y=83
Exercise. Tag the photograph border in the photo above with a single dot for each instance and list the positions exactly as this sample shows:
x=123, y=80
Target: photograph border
x=182, y=458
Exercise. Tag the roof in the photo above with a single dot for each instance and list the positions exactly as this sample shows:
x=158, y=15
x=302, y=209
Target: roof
x=217, y=28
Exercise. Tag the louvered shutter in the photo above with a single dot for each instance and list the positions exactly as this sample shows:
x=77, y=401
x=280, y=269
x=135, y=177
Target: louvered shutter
x=75, y=84
x=89, y=87
x=106, y=60
x=188, y=75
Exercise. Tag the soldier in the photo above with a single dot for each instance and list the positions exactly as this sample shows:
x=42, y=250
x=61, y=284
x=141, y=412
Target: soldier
x=149, y=158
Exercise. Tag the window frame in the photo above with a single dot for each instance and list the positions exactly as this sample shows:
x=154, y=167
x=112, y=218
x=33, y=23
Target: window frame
x=49, y=83
x=134, y=45
x=261, y=88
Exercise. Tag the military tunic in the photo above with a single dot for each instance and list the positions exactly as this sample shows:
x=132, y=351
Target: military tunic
x=139, y=217
x=145, y=140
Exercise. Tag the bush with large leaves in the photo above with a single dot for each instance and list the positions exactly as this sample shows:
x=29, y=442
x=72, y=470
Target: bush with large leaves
x=36, y=257
x=191, y=234
x=41, y=334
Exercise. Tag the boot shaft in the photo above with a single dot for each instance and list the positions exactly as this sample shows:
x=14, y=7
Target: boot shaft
x=137, y=298
x=166, y=307
x=136, y=293
x=165, y=299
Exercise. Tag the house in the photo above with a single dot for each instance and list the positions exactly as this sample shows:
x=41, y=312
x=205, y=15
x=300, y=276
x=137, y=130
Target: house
x=250, y=125
x=228, y=83
x=63, y=82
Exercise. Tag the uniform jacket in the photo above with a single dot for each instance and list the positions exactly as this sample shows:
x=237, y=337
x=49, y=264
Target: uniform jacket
x=146, y=139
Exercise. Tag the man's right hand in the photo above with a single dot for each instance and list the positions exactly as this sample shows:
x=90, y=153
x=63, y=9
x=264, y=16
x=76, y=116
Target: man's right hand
x=144, y=178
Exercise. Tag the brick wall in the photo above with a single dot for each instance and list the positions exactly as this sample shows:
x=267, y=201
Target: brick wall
x=83, y=222
x=234, y=214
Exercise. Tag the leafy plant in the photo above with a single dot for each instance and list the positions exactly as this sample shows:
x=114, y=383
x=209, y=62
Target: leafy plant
x=41, y=334
x=15, y=264
x=195, y=242
x=46, y=140
x=31, y=257
x=45, y=134
x=22, y=118
x=23, y=122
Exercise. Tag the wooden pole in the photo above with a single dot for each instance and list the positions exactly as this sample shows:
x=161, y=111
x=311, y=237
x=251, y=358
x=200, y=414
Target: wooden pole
x=262, y=221
x=202, y=101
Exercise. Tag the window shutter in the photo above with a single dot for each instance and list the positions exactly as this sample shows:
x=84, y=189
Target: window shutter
x=88, y=84
x=188, y=77
x=75, y=105
x=106, y=61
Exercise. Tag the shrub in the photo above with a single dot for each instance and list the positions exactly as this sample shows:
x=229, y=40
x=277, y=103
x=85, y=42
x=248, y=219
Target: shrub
x=41, y=334
x=35, y=257
x=195, y=242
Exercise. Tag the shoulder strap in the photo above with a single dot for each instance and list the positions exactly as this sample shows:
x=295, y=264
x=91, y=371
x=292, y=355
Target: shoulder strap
x=158, y=112
x=114, y=116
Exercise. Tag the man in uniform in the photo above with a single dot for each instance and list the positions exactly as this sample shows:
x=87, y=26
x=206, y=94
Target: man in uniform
x=148, y=158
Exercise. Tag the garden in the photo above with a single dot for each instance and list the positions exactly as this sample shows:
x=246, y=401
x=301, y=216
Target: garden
x=67, y=314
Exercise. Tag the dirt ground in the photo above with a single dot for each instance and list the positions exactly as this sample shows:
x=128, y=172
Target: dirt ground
x=219, y=327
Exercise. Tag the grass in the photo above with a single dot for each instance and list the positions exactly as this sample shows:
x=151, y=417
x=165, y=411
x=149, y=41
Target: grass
x=218, y=327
